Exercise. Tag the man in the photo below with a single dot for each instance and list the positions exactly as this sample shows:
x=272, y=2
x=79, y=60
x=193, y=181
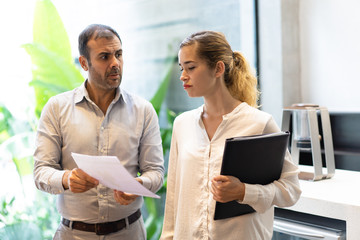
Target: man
x=98, y=118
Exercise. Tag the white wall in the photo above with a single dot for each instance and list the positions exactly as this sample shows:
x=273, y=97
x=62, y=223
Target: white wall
x=310, y=53
x=330, y=53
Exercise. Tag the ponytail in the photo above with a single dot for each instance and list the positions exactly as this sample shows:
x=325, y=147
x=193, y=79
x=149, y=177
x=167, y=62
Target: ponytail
x=241, y=81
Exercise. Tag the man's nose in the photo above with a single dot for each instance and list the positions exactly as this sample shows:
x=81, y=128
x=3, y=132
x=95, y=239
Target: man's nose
x=115, y=62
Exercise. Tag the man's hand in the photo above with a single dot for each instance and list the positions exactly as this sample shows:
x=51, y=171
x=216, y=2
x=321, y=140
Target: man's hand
x=227, y=188
x=125, y=198
x=78, y=181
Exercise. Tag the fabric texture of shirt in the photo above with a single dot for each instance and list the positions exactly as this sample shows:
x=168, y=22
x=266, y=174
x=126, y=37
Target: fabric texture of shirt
x=195, y=160
x=71, y=122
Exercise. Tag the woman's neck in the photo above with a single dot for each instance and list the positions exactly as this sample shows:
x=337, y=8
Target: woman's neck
x=220, y=103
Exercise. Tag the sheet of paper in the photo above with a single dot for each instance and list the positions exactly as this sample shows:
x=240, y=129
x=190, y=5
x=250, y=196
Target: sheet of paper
x=111, y=173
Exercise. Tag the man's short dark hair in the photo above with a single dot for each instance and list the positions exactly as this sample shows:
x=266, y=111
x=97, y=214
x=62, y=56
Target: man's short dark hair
x=94, y=31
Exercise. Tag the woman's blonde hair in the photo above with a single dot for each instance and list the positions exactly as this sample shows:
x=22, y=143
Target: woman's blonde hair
x=239, y=79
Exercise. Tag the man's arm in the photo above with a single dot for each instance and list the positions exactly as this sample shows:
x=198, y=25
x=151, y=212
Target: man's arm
x=151, y=159
x=48, y=173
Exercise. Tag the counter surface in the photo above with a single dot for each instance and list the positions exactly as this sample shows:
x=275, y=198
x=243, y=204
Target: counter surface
x=338, y=197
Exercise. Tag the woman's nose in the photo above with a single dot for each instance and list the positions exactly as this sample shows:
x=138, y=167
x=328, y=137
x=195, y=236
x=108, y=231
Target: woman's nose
x=183, y=76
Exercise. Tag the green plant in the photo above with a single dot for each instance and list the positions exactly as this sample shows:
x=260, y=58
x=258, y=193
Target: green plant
x=54, y=70
x=6, y=119
x=29, y=223
x=154, y=207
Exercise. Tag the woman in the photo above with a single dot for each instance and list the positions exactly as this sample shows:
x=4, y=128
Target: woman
x=210, y=69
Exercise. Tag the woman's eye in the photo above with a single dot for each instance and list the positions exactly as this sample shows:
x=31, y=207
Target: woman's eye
x=187, y=68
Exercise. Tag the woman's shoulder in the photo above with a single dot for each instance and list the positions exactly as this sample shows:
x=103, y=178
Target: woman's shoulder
x=253, y=112
x=188, y=116
x=260, y=119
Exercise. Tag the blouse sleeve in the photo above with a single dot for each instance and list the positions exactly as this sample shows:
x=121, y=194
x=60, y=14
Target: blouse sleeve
x=169, y=215
x=283, y=193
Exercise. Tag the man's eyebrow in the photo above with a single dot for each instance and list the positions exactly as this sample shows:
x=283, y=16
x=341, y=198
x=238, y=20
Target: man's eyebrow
x=108, y=53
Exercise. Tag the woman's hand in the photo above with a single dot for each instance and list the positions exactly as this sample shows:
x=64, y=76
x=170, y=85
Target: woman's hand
x=227, y=188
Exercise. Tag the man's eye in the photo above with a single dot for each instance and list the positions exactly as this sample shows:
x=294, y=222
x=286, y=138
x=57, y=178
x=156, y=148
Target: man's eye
x=104, y=57
x=118, y=55
x=181, y=69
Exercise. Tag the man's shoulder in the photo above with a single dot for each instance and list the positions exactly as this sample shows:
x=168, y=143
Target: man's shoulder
x=134, y=99
x=64, y=97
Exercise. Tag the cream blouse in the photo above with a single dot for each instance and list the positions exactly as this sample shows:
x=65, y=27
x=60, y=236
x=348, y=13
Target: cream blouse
x=195, y=160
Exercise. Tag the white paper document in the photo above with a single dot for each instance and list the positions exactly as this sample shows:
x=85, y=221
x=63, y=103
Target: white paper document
x=111, y=173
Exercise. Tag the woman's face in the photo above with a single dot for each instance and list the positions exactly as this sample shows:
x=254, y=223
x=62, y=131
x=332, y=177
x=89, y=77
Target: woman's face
x=198, y=79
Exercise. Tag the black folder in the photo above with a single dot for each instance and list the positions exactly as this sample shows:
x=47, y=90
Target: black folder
x=256, y=159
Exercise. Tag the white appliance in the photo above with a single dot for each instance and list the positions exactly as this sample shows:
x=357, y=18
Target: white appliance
x=290, y=225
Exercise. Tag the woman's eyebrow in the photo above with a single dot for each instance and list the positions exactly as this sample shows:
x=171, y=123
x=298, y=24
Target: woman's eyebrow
x=187, y=62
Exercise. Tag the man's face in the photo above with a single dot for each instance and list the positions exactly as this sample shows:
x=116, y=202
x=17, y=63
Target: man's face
x=106, y=63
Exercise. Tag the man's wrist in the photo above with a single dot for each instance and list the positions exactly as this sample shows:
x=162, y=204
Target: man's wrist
x=241, y=192
x=65, y=180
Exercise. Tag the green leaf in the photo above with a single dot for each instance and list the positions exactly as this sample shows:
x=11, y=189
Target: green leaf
x=54, y=70
x=49, y=31
x=150, y=206
x=21, y=230
x=171, y=115
x=20, y=149
x=5, y=120
x=24, y=166
x=18, y=146
x=160, y=94
x=51, y=74
x=5, y=206
x=51, y=68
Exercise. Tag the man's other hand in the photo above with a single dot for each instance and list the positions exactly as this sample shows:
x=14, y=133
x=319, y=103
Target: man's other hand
x=78, y=181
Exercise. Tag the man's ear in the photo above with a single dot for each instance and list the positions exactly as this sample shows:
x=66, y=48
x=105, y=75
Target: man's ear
x=220, y=68
x=84, y=63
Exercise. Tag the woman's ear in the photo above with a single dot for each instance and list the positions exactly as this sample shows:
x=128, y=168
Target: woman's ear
x=84, y=63
x=219, y=68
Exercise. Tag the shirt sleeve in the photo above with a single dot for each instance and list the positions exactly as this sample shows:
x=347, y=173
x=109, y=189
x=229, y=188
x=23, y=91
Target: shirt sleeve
x=47, y=169
x=151, y=159
x=169, y=215
x=283, y=193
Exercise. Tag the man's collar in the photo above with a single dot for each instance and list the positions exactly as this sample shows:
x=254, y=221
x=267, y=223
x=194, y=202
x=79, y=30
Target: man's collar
x=83, y=93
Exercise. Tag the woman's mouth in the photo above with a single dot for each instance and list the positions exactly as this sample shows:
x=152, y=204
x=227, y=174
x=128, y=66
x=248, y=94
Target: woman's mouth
x=186, y=86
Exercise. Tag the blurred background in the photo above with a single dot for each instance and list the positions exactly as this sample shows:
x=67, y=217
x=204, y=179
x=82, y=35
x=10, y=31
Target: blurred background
x=301, y=50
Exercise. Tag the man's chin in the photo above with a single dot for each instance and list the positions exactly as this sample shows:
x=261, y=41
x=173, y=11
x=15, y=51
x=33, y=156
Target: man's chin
x=114, y=82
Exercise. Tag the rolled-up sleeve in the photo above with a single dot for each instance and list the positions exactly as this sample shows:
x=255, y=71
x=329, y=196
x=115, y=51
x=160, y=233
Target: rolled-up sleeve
x=151, y=158
x=47, y=170
x=283, y=193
